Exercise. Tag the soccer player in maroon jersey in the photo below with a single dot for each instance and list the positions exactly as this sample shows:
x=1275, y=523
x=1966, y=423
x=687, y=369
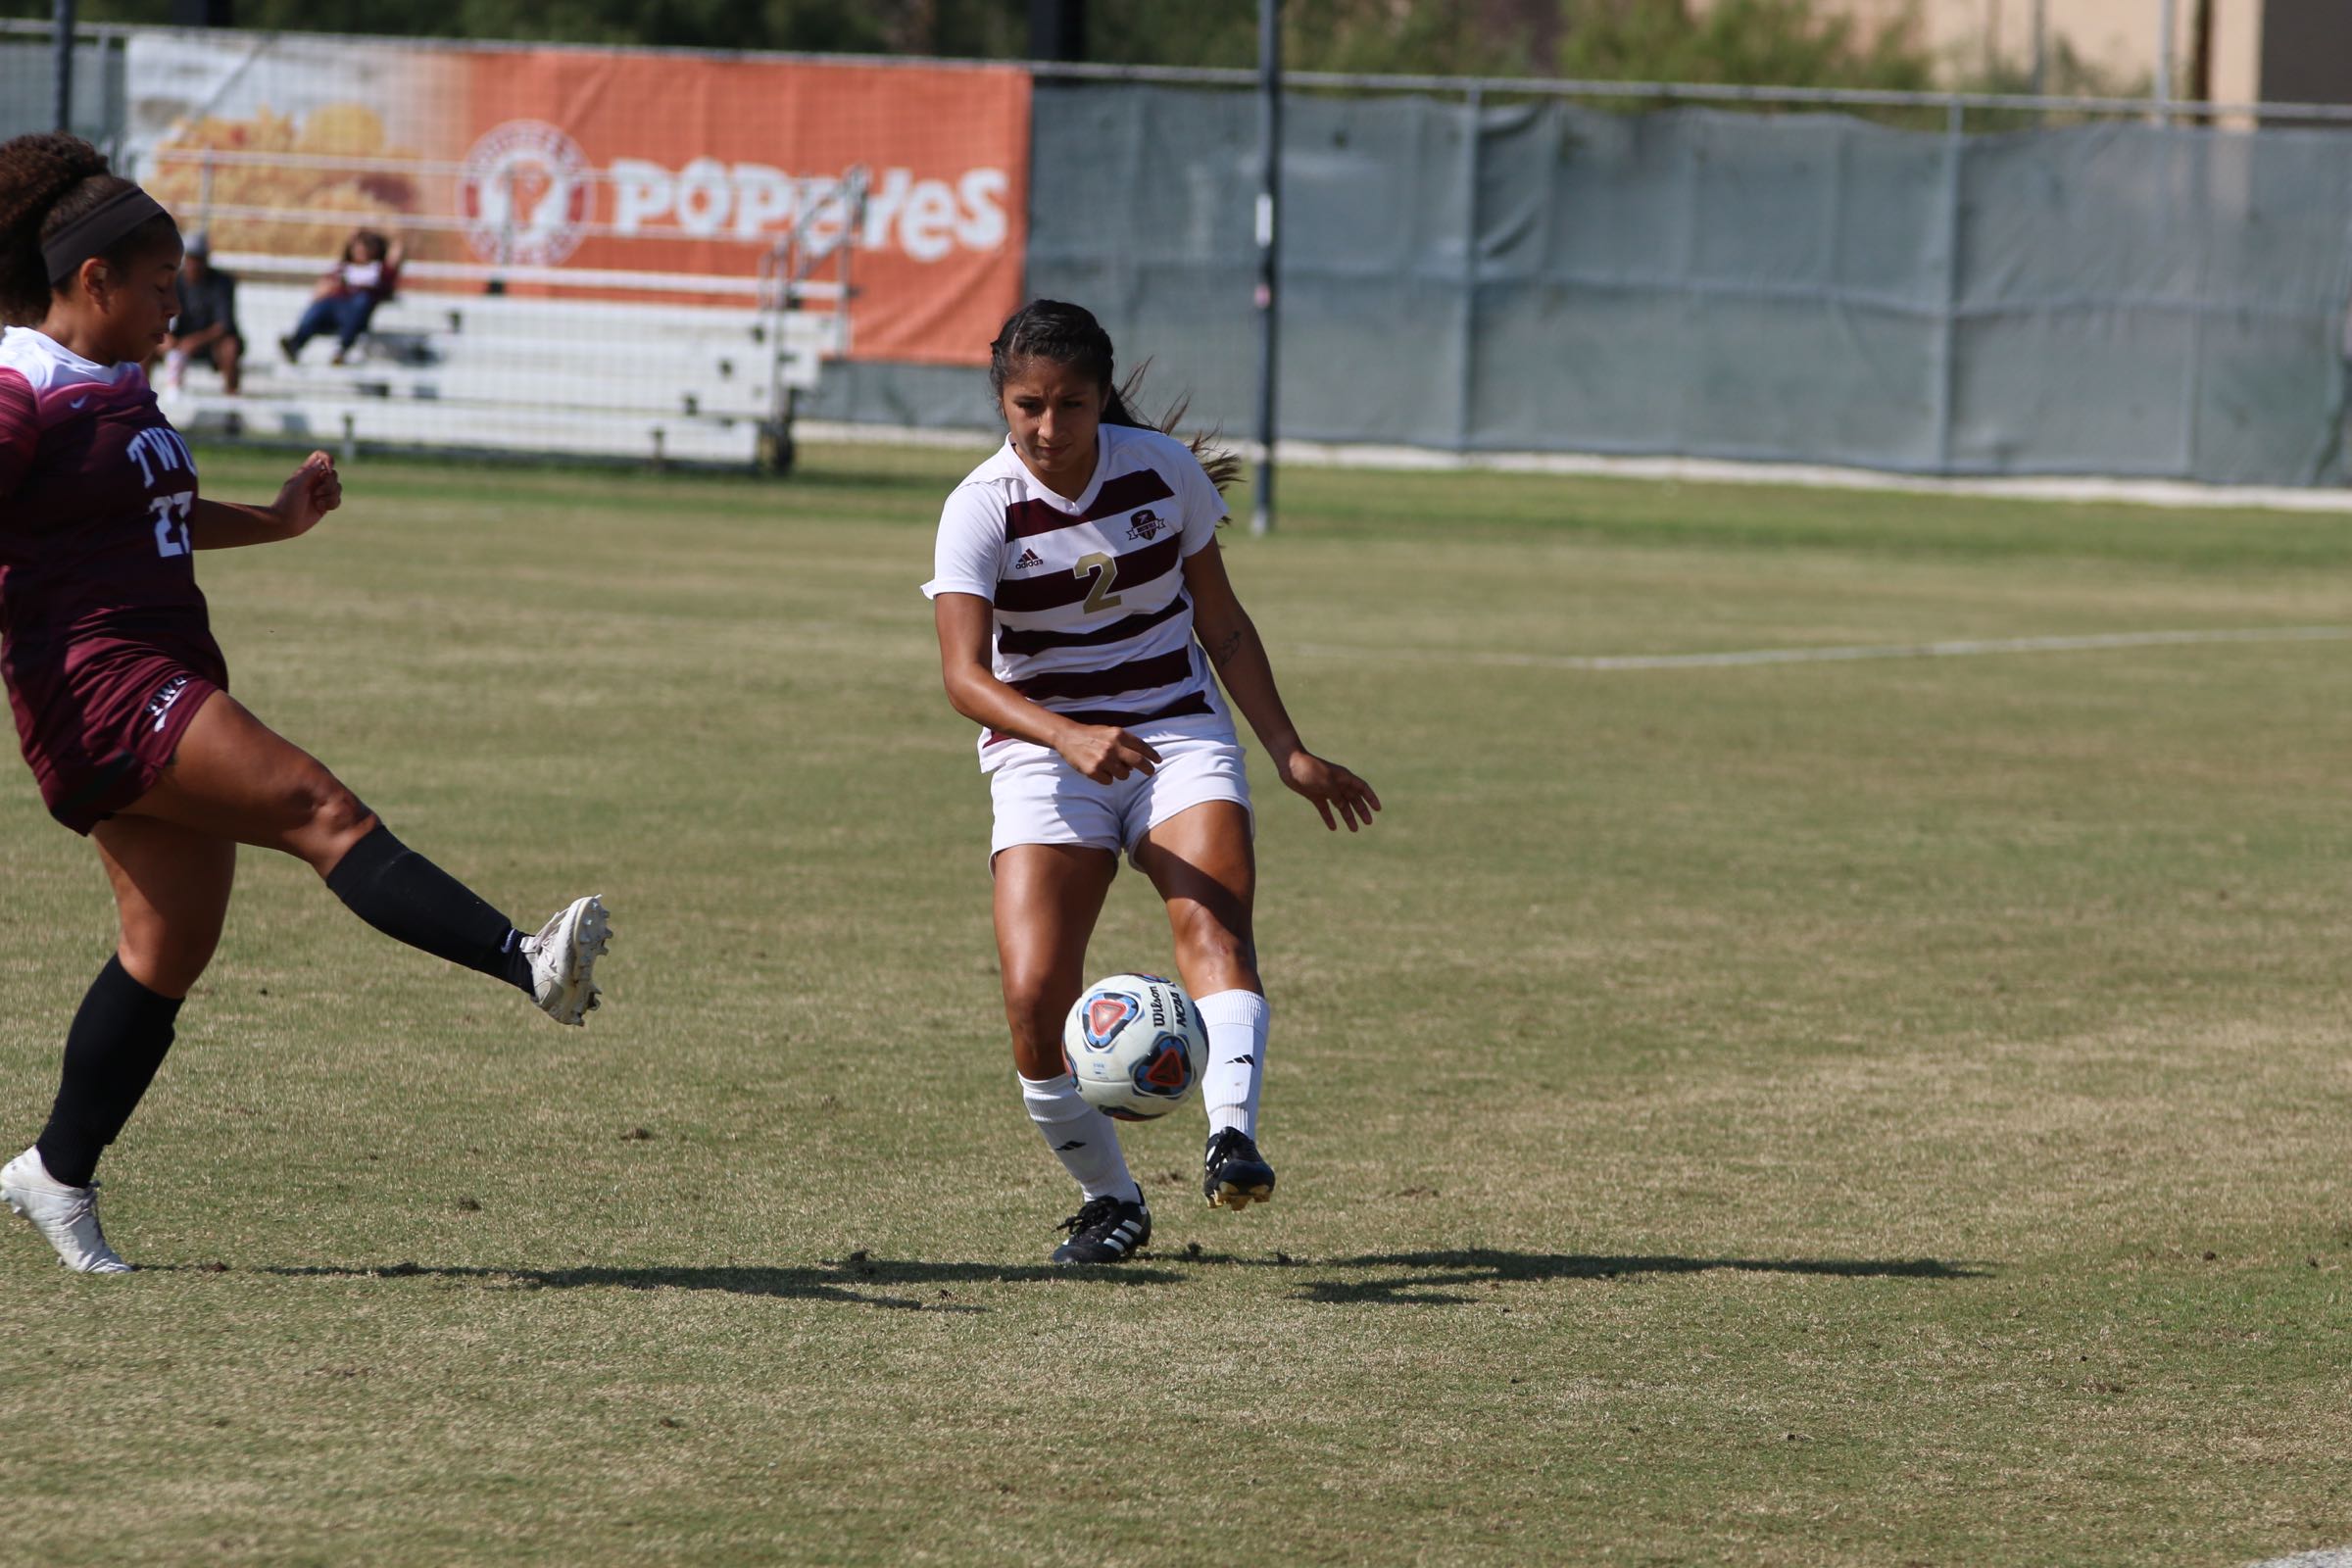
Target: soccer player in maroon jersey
x=121, y=695
x=1081, y=604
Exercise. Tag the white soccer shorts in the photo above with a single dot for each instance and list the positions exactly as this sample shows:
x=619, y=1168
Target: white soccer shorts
x=1040, y=799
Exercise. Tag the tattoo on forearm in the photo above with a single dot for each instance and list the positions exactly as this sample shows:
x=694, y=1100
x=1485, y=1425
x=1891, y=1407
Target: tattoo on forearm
x=1224, y=649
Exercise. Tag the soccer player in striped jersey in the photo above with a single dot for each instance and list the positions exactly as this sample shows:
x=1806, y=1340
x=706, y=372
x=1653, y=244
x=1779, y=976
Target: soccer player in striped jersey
x=1081, y=605
x=121, y=695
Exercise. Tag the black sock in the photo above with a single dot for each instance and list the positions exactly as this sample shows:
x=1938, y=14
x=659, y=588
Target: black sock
x=116, y=1042
x=410, y=899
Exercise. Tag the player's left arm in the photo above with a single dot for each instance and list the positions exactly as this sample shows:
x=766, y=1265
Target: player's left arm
x=313, y=491
x=1232, y=642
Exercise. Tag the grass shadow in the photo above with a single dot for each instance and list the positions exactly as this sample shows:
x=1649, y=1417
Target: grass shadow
x=1436, y=1279
x=1407, y=1279
x=859, y=1280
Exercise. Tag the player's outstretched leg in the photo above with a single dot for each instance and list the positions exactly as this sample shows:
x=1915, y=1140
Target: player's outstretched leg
x=235, y=778
x=410, y=899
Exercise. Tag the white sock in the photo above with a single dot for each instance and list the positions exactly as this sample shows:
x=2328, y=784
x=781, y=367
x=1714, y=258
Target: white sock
x=1236, y=1022
x=1082, y=1137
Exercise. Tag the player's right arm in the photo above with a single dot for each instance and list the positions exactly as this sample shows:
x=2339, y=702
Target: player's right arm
x=312, y=492
x=1105, y=753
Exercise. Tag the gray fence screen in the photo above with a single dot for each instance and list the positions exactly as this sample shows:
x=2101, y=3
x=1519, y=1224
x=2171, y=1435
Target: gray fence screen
x=2119, y=299
x=28, y=90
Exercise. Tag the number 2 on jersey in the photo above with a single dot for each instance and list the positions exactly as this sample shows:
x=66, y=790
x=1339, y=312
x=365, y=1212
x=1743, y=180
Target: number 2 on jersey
x=172, y=514
x=1105, y=568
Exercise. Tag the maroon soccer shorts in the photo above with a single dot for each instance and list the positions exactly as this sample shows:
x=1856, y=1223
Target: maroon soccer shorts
x=99, y=728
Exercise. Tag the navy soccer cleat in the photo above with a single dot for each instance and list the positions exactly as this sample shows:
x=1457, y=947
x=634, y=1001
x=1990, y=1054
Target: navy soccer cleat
x=1233, y=1173
x=1104, y=1230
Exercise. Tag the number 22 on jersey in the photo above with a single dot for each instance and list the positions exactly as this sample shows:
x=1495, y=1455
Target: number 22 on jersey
x=171, y=514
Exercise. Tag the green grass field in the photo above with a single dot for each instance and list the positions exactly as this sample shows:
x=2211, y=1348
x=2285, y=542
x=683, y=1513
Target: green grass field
x=1879, y=1112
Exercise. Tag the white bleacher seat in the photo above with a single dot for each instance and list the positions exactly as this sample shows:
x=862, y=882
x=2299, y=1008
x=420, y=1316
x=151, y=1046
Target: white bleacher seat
x=666, y=380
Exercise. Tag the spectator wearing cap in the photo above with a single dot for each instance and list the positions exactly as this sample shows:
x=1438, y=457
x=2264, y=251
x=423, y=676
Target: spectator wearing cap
x=205, y=328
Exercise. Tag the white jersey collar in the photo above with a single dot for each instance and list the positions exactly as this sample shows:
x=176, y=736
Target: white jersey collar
x=30, y=343
x=1016, y=467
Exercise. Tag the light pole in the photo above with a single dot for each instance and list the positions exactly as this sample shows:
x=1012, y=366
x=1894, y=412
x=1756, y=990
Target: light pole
x=1269, y=194
x=63, y=64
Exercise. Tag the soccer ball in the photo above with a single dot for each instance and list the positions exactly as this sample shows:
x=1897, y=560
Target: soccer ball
x=1136, y=1045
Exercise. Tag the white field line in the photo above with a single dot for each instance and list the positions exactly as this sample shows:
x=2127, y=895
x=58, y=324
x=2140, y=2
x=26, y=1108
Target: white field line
x=1959, y=649
x=2065, y=488
x=2333, y=1557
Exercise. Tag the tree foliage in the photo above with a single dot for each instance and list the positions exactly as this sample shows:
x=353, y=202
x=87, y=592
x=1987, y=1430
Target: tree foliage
x=1756, y=43
x=1780, y=42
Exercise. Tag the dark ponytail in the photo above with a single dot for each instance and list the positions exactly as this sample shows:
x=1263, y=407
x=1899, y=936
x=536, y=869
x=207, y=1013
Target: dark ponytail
x=1068, y=335
x=46, y=183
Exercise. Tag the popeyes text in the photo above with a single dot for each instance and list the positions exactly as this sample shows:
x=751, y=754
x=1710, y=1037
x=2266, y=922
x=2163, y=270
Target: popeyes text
x=926, y=219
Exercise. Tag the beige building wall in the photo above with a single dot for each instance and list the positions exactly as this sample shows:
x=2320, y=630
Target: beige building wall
x=2116, y=39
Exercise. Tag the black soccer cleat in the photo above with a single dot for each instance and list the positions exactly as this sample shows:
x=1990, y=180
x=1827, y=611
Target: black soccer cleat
x=1233, y=1173
x=1104, y=1230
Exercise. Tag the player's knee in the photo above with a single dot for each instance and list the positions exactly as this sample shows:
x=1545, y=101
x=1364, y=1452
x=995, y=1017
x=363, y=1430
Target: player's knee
x=1216, y=945
x=325, y=819
x=1033, y=1007
x=1031, y=1010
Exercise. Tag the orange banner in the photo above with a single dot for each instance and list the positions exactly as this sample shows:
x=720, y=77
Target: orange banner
x=677, y=164
x=706, y=160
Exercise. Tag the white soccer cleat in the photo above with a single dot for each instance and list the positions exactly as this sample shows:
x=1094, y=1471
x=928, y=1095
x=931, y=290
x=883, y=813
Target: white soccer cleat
x=67, y=1216
x=563, y=958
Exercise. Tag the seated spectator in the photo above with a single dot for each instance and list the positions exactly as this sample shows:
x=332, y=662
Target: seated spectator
x=205, y=328
x=362, y=279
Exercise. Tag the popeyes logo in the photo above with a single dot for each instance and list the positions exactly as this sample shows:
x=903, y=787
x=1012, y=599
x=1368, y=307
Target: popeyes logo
x=524, y=191
x=927, y=220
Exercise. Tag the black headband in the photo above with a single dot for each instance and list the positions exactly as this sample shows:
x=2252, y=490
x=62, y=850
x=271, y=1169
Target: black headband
x=94, y=231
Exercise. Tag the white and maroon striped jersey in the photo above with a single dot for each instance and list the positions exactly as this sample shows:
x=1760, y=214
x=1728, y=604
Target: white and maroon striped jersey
x=1091, y=616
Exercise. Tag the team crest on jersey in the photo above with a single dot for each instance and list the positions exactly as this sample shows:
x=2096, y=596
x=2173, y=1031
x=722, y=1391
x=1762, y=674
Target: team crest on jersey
x=1029, y=561
x=1147, y=525
x=525, y=192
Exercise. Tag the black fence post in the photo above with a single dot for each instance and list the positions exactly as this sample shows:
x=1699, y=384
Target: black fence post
x=1269, y=196
x=63, y=64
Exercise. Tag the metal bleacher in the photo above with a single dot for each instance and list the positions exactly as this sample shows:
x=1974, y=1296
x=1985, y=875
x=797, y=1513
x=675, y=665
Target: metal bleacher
x=480, y=358
x=502, y=372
